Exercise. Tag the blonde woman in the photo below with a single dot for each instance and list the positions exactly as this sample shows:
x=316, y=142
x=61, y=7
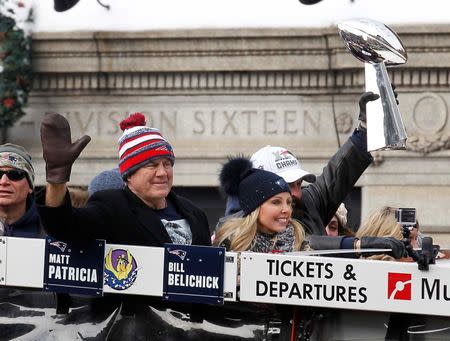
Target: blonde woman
x=381, y=223
x=265, y=222
x=254, y=233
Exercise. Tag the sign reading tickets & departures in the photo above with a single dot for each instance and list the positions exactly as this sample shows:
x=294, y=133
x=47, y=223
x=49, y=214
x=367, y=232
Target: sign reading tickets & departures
x=359, y=284
x=194, y=274
x=74, y=269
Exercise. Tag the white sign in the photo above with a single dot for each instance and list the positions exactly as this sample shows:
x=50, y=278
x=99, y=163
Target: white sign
x=345, y=283
x=131, y=269
x=230, y=276
x=25, y=262
x=3, y=261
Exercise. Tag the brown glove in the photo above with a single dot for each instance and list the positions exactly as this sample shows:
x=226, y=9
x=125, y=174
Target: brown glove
x=58, y=150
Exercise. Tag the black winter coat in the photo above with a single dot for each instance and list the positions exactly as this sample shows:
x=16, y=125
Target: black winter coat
x=321, y=199
x=119, y=217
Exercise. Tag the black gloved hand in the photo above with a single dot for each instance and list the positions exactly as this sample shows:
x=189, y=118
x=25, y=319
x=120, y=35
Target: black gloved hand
x=395, y=93
x=397, y=246
x=368, y=97
x=58, y=150
x=363, y=100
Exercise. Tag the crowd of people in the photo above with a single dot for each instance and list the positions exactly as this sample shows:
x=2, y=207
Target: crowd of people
x=273, y=205
x=268, y=206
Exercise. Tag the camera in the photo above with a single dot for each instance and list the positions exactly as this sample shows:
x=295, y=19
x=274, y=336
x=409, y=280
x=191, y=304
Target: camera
x=406, y=217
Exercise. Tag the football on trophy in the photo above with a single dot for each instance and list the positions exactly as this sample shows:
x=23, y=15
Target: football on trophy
x=372, y=42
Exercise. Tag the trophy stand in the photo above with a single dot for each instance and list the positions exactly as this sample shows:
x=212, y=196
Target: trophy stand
x=383, y=114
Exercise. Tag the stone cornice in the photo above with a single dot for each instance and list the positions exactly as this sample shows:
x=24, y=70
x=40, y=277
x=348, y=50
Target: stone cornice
x=218, y=61
x=295, y=82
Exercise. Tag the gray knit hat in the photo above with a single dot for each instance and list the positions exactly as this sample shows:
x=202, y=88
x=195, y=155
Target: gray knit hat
x=15, y=156
x=108, y=179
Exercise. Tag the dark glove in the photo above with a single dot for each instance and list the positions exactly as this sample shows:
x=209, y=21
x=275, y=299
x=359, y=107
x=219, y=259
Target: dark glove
x=397, y=246
x=58, y=150
x=368, y=97
x=395, y=93
x=325, y=242
x=363, y=100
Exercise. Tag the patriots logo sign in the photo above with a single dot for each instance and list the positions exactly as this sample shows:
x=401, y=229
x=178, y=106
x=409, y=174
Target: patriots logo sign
x=60, y=245
x=180, y=253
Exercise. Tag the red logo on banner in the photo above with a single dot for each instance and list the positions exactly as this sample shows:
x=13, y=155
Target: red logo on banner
x=399, y=286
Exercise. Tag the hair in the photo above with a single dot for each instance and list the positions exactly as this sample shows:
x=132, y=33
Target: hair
x=381, y=223
x=344, y=230
x=241, y=231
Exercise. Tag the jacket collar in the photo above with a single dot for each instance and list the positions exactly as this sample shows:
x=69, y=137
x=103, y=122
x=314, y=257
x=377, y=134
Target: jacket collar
x=151, y=222
x=28, y=225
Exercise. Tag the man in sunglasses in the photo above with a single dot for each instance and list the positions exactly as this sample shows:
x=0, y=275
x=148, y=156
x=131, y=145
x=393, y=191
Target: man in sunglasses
x=18, y=213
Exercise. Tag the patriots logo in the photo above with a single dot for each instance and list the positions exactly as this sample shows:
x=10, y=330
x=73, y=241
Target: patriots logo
x=164, y=148
x=180, y=253
x=282, y=155
x=12, y=158
x=60, y=245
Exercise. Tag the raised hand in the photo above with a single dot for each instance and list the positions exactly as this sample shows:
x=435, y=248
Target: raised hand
x=58, y=150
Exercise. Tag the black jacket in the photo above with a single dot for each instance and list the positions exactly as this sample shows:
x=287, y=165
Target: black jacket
x=28, y=225
x=120, y=217
x=321, y=199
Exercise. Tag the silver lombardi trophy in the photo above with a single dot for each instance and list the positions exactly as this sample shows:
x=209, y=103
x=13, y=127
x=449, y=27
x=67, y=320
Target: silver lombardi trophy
x=377, y=46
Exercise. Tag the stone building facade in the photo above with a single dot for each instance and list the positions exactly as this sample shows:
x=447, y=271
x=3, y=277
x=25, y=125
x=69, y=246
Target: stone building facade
x=215, y=93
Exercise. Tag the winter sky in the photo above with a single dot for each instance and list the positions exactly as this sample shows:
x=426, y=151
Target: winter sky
x=176, y=14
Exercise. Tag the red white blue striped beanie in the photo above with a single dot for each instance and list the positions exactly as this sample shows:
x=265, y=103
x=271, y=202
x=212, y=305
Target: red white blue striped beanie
x=140, y=144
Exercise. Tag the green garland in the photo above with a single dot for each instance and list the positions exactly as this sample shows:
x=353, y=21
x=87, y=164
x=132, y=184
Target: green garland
x=15, y=68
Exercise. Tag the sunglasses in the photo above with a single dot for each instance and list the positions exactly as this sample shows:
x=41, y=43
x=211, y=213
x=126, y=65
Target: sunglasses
x=13, y=174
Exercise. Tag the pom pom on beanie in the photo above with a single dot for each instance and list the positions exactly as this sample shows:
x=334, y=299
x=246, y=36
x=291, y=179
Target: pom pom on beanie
x=252, y=186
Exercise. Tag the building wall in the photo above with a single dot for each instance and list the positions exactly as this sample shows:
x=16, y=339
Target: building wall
x=215, y=93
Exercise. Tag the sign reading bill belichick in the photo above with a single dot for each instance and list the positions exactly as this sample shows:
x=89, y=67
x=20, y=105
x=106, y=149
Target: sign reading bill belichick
x=194, y=273
x=72, y=269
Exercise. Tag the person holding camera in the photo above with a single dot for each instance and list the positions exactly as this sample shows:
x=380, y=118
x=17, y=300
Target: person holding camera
x=382, y=222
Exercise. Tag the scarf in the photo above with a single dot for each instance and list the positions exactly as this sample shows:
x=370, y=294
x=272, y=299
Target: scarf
x=281, y=241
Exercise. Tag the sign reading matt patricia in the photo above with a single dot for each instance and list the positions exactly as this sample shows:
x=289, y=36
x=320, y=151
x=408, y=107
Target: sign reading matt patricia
x=194, y=273
x=74, y=269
